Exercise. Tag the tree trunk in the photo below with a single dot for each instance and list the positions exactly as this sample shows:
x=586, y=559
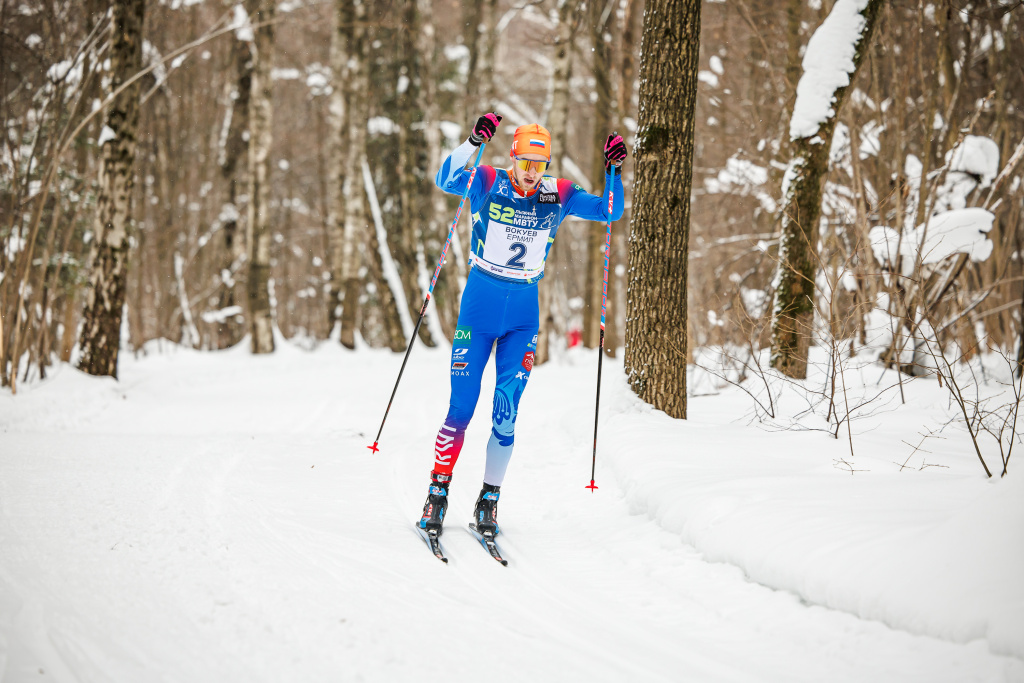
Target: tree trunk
x=261, y=325
x=452, y=280
x=656, y=300
x=113, y=228
x=793, y=320
x=557, y=118
x=602, y=122
x=409, y=248
x=352, y=190
x=229, y=329
x=482, y=17
x=337, y=146
x=360, y=247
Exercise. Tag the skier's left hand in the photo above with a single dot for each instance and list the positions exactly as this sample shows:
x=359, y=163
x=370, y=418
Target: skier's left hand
x=614, y=151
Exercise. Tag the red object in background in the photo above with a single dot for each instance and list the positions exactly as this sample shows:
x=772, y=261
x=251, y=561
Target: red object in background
x=574, y=337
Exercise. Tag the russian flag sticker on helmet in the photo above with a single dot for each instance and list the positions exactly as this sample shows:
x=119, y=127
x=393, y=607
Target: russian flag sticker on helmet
x=531, y=139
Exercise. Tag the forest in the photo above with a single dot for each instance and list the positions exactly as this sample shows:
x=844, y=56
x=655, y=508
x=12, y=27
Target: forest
x=221, y=227
x=214, y=170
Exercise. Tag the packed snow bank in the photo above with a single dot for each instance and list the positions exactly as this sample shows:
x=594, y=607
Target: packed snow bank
x=218, y=517
x=934, y=548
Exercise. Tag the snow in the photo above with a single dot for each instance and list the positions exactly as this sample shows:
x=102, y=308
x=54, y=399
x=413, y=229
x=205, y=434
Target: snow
x=240, y=22
x=742, y=177
x=222, y=315
x=381, y=125
x=708, y=78
x=217, y=516
x=963, y=231
x=289, y=74
x=827, y=65
x=106, y=134
x=319, y=83
x=976, y=155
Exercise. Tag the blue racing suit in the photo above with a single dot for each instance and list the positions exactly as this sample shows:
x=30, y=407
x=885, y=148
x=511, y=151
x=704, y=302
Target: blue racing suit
x=512, y=235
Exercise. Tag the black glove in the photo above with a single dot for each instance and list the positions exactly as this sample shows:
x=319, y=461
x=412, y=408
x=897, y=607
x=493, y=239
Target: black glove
x=614, y=152
x=484, y=129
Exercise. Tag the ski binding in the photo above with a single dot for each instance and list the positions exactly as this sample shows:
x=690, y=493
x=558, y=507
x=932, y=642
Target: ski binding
x=433, y=541
x=486, y=539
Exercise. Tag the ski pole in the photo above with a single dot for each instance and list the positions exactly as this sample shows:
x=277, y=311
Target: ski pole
x=600, y=349
x=430, y=290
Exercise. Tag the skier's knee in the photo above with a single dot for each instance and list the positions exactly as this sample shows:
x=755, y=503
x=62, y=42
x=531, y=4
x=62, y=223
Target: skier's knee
x=503, y=439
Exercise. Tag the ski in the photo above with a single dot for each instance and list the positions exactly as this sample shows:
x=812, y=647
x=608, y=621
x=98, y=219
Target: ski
x=487, y=541
x=433, y=542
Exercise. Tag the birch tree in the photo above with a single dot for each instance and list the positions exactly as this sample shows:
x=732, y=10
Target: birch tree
x=337, y=145
x=413, y=173
x=557, y=122
x=482, y=17
x=232, y=148
x=261, y=325
x=830, y=64
x=658, y=251
x=113, y=229
x=604, y=116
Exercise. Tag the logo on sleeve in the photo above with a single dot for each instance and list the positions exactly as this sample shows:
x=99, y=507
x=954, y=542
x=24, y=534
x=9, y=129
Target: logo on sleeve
x=548, y=198
x=528, y=361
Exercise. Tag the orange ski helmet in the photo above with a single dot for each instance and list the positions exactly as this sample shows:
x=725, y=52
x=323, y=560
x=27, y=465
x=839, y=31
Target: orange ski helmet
x=531, y=139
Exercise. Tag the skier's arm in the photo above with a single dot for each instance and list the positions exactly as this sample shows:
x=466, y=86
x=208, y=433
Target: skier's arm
x=578, y=202
x=454, y=174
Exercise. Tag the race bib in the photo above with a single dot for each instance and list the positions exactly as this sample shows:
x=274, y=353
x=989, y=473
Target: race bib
x=514, y=247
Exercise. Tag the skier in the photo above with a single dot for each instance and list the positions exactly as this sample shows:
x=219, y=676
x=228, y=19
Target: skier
x=516, y=213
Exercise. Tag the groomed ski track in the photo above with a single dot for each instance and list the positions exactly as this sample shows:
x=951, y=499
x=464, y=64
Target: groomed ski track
x=218, y=517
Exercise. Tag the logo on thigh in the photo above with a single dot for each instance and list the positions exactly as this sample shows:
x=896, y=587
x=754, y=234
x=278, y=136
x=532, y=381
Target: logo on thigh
x=528, y=361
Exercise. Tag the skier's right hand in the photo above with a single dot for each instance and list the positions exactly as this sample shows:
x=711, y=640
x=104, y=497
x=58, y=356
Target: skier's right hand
x=485, y=128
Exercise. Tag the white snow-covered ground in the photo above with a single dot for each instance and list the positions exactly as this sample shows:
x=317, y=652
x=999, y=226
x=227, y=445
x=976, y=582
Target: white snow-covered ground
x=218, y=517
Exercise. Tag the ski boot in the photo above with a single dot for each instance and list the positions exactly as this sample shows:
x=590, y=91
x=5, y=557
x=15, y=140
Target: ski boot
x=485, y=514
x=437, y=502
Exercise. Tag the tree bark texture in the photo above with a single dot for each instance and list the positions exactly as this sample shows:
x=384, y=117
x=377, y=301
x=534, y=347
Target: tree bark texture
x=482, y=17
x=451, y=282
x=557, y=122
x=239, y=94
x=793, y=319
x=603, y=117
x=656, y=310
x=410, y=245
x=352, y=190
x=113, y=228
x=261, y=325
x=337, y=146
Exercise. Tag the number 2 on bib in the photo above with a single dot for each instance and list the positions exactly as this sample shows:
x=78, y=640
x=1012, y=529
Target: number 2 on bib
x=520, y=253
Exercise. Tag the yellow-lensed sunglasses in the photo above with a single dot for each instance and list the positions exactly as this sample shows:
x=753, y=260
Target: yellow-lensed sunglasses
x=527, y=164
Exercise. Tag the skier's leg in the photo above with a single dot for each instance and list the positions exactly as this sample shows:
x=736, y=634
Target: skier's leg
x=467, y=368
x=478, y=325
x=513, y=361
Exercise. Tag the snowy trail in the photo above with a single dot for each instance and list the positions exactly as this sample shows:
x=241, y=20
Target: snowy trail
x=218, y=517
